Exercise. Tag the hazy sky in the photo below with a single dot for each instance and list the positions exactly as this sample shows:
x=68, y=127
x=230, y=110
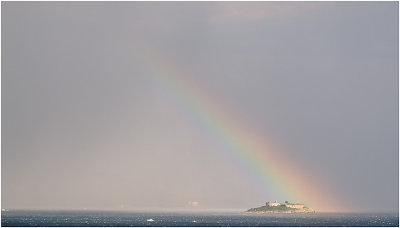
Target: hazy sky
x=84, y=126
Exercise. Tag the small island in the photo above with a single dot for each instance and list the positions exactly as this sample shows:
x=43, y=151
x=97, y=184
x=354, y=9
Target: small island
x=275, y=207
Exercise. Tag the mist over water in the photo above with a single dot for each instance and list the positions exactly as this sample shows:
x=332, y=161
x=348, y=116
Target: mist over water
x=85, y=125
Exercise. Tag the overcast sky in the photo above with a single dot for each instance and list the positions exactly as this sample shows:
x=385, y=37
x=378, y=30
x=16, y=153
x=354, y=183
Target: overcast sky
x=84, y=127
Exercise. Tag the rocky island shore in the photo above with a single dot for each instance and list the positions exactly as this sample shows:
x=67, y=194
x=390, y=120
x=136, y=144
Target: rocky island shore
x=275, y=207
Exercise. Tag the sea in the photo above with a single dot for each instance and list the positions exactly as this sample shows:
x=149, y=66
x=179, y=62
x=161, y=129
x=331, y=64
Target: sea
x=20, y=218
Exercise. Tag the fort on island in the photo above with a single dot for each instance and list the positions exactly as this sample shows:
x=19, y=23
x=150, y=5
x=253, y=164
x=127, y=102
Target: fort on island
x=276, y=207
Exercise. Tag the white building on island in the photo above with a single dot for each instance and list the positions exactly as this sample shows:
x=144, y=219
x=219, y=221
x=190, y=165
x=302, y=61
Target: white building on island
x=287, y=204
x=295, y=205
x=273, y=204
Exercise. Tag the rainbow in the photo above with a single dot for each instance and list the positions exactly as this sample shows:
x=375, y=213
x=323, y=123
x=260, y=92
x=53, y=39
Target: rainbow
x=262, y=161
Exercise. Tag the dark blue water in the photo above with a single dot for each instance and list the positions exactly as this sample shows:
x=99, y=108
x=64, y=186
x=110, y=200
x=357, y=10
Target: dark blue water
x=102, y=218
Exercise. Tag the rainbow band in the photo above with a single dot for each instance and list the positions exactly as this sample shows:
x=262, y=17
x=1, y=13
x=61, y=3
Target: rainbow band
x=261, y=160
